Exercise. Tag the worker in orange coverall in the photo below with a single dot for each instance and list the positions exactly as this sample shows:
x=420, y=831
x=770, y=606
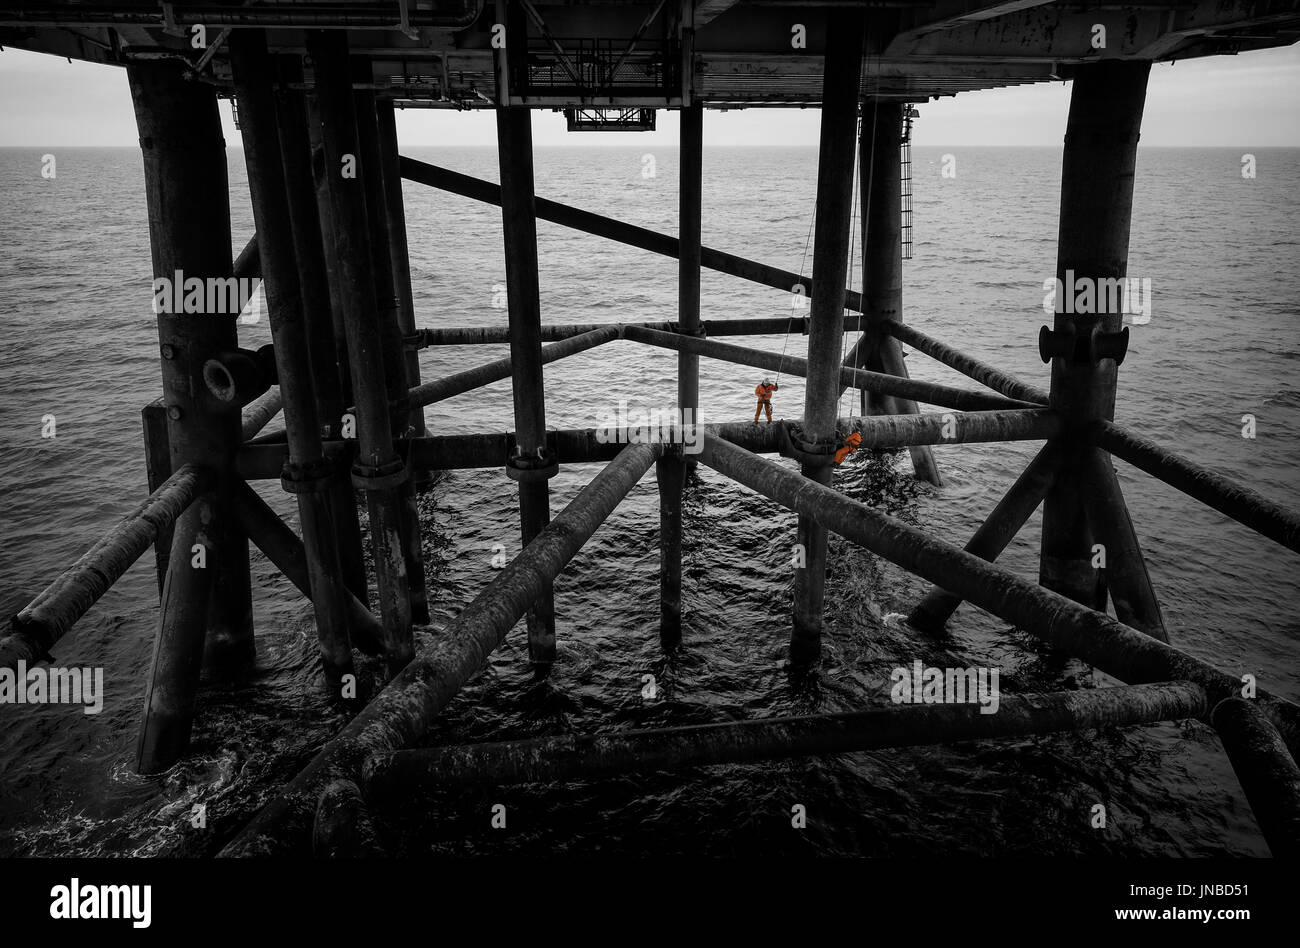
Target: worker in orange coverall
x=850, y=445
x=764, y=391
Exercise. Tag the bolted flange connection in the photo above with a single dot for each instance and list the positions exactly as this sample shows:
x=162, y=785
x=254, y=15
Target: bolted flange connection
x=1086, y=348
x=307, y=477
x=540, y=465
x=391, y=473
x=699, y=332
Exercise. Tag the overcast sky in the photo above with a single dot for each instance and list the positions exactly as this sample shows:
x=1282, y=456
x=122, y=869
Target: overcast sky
x=1252, y=100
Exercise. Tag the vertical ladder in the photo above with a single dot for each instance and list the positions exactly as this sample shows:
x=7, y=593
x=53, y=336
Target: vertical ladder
x=906, y=175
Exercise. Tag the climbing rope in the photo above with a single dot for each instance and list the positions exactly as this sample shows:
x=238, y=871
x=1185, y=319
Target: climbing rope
x=802, y=265
x=853, y=234
x=866, y=236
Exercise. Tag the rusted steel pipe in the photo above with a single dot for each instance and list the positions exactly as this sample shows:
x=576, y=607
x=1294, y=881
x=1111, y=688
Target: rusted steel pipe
x=285, y=551
x=1266, y=769
x=929, y=392
x=452, y=385
x=327, y=341
x=395, y=220
x=670, y=476
x=601, y=226
x=307, y=473
x=401, y=714
x=1125, y=568
x=968, y=366
x=690, y=219
x=171, y=690
x=393, y=776
x=585, y=445
x=259, y=412
x=360, y=16
x=1240, y=503
x=46, y=619
x=390, y=319
x=1092, y=636
x=997, y=531
x=185, y=185
x=834, y=213
x=881, y=176
x=158, y=467
x=555, y=332
x=1098, y=169
x=378, y=469
x=519, y=229
x=343, y=828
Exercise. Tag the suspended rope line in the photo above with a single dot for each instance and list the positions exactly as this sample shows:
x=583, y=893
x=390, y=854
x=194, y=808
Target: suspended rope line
x=793, y=303
x=853, y=234
x=870, y=162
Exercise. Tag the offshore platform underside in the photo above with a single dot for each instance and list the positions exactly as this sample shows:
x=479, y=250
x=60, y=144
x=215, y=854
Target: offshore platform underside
x=635, y=54
x=315, y=86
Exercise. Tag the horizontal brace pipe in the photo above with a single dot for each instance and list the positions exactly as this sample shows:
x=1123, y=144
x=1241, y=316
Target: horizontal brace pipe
x=392, y=776
x=877, y=383
x=400, y=715
x=259, y=412
x=46, y=619
x=601, y=226
x=1240, y=503
x=969, y=366
x=1266, y=769
x=461, y=382
x=1094, y=637
x=280, y=544
x=356, y=16
x=265, y=461
x=472, y=335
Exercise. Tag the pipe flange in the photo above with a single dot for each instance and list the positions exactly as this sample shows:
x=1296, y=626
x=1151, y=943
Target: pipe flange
x=541, y=465
x=1109, y=345
x=415, y=340
x=1056, y=343
x=379, y=476
x=1082, y=349
x=307, y=477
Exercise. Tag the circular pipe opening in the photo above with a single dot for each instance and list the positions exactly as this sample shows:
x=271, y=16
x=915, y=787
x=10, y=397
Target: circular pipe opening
x=219, y=380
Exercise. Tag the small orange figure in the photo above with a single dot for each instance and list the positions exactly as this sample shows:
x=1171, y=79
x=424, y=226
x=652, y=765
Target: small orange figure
x=764, y=391
x=850, y=445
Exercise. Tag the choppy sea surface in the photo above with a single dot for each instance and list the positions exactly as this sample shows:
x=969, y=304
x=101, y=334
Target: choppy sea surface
x=1223, y=342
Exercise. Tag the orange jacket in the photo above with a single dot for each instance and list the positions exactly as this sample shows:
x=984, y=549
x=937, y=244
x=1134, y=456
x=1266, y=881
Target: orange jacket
x=850, y=446
x=764, y=392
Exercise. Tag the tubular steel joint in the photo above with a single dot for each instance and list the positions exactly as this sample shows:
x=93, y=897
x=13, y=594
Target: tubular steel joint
x=1082, y=348
x=542, y=465
x=379, y=476
x=307, y=477
x=809, y=453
